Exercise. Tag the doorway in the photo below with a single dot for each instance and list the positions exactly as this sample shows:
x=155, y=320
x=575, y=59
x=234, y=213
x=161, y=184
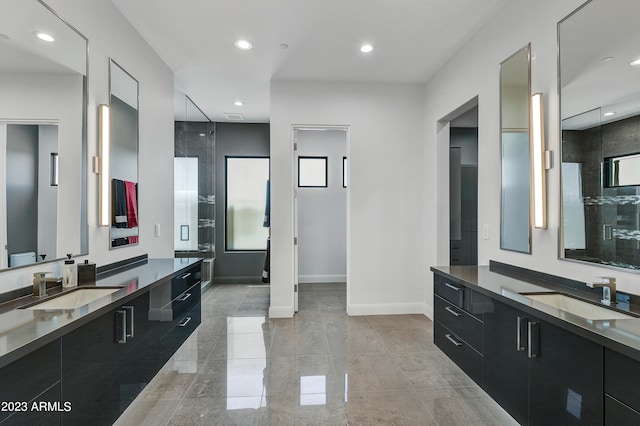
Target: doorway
x=321, y=189
x=463, y=188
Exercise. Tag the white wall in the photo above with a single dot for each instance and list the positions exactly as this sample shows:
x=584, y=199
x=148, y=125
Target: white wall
x=110, y=35
x=457, y=82
x=322, y=212
x=384, y=252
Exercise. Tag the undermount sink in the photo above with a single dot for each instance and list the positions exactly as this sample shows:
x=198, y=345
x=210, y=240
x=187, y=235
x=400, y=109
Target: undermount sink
x=574, y=306
x=75, y=299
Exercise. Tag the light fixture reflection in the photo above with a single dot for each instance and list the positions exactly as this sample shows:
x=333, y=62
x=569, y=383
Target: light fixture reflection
x=44, y=36
x=243, y=44
x=103, y=169
x=538, y=157
x=366, y=48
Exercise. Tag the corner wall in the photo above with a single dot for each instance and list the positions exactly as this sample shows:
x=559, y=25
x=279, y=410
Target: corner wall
x=454, y=84
x=384, y=244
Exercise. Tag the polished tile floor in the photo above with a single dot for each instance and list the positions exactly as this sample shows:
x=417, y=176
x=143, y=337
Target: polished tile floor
x=320, y=368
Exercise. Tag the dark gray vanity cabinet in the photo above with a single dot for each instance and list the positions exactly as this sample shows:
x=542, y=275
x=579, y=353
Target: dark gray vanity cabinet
x=101, y=371
x=31, y=379
x=622, y=394
x=540, y=373
x=458, y=325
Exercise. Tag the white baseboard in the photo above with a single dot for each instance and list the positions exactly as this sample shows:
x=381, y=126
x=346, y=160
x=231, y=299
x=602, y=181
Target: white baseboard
x=281, y=312
x=387, y=309
x=322, y=278
x=428, y=311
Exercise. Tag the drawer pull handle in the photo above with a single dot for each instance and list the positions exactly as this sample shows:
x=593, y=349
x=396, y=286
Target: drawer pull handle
x=184, y=322
x=183, y=298
x=521, y=328
x=130, y=315
x=123, y=325
x=452, y=287
x=452, y=312
x=185, y=276
x=534, y=340
x=452, y=340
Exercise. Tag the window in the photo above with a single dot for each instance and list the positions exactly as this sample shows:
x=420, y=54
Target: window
x=312, y=172
x=246, y=197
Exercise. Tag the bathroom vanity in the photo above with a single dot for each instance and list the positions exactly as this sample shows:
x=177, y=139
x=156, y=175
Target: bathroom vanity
x=85, y=363
x=542, y=364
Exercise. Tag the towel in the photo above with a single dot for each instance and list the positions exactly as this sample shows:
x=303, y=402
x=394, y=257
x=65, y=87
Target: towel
x=132, y=204
x=119, y=203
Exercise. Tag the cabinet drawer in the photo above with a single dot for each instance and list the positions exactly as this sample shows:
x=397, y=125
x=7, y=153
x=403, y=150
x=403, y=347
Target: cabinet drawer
x=459, y=322
x=460, y=352
x=184, y=281
x=617, y=413
x=450, y=291
x=619, y=378
x=29, y=376
x=186, y=300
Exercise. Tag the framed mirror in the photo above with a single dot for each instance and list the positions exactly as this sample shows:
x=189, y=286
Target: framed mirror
x=43, y=144
x=599, y=75
x=515, y=194
x=123, y=166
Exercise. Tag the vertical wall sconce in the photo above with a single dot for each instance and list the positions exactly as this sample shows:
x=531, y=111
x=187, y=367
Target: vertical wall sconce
x=539, y=159
x=103, y=164
x=53, y=168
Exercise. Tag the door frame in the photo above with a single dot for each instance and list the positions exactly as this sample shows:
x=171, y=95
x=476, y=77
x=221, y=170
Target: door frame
x=294, y=182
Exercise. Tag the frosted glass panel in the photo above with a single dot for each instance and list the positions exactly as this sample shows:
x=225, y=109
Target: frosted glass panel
x=515, y=191
x=185, y=232
x=246, y=201
x=312, y=172
x=573, y=206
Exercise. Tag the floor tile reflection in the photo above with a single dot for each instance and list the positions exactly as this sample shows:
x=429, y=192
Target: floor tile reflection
x=320, y=368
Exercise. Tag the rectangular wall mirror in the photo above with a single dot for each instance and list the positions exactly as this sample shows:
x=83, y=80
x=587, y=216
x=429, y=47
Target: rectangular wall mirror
x=123, y=167
x=43, y=148
x=515, y=106
x=600, y=113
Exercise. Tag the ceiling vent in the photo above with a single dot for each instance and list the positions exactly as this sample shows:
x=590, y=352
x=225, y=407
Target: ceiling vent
x=234, y=116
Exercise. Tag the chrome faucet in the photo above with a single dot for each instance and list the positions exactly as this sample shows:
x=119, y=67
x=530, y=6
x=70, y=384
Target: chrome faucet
x=608, y=285
x=40, y=283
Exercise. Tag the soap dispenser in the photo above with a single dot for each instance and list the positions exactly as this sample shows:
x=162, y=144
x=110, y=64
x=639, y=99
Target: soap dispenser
x=69, y=277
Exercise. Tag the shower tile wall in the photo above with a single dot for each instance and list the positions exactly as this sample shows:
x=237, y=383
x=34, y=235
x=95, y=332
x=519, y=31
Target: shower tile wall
x=197, y=139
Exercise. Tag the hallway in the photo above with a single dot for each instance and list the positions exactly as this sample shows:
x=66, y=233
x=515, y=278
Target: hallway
x=320, y=368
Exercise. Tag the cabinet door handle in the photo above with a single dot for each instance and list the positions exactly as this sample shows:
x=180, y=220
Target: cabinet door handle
x=184, y=322
x=123, y=326
x=185, y=276
x=183, y=298
x=130, y=315
x=452, y=340
x=521, y=328
x=452, y=287
x=452, y=312
x=534, y=340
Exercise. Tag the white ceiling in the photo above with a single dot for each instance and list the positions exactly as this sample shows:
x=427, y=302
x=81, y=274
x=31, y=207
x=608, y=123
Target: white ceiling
x=412, y=38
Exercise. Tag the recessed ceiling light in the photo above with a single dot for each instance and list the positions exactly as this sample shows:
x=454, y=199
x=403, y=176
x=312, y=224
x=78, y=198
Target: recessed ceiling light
x=635, y=63
x=366, y=48
x=284, y=46
x=4, y=37
x=607, y=59
x=44, y=36
x=608, y=114
x=243, y=44
x=202, y=135
x=238, y=103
